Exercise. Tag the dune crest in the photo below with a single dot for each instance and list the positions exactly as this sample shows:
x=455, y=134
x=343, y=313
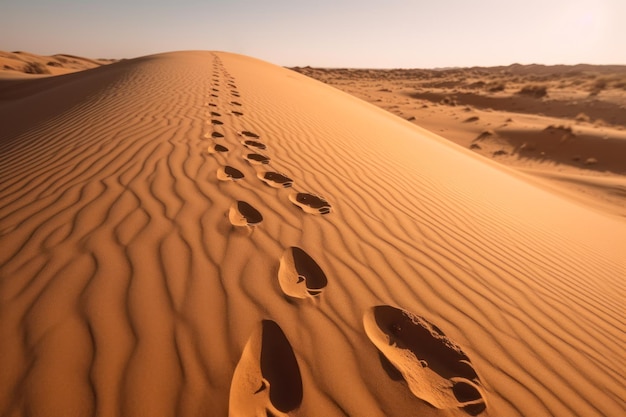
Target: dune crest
x=131, y=282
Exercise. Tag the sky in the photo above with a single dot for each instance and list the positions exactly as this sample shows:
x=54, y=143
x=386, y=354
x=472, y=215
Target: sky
x=327, y=33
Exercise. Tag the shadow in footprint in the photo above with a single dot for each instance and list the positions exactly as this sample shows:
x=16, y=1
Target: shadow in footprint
x=299, y=275
x=249, y=134
x=217, y=135
x=235, y=103
x=391, y=370
x=216, y=122
x=237, y=113
x=257, y=159
x=254, y=144
x=214, y=95
x=434, y=367
x=228, y=173
x=217, y=148
x=310, y=203
x=243, y=214
x=280, y=368
x=215, y=114
x=212, y=105
x=267, y=380
x=275, y=179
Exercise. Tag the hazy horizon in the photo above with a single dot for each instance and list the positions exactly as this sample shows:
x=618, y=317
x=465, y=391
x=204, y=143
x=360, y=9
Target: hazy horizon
x=396, y=34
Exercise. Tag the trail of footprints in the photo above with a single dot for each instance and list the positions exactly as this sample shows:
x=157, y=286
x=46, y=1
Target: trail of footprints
x=255, y=153
x=267, y=380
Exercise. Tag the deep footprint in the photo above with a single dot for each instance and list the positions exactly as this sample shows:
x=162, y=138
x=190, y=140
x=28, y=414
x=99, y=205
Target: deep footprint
x=217, y=148
x=228, y=173
x=215, y=114
x=267, y=380
x=310, y=203
x=235, y=103
x=217, y=135
x=249, y=134
x=254, y=144
x=216, y=122
x=237, y=113
x=275, y=179
x=434, y=367
x=255, y=158
x=299, y=275
x=243, y=214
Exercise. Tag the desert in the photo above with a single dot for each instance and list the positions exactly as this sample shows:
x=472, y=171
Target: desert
x=204, y=233
x=562, y=125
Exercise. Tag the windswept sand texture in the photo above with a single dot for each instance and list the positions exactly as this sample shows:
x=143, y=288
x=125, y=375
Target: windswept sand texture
x=126, y=290
x=560, y=126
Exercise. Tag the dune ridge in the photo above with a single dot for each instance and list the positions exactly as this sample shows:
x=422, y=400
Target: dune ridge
x=552, y=121
x=125, y=289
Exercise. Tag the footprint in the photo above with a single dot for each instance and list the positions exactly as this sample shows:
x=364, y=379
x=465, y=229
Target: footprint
x=216, y=122
x=228, y=173
x=232, y=85
x=217, y=135
x=310, y=203
x=256, y=158
x=434, y=367
x=254, y=144
x=267, y=379
x=299, y=275
x=217, y=148
x=237, y=113
x=214, y=95
x=215, y=89
x=243, y=214
x=275, y=179
x=249, y=134
x=235, y=103
x=215, y=114
x=212, y=105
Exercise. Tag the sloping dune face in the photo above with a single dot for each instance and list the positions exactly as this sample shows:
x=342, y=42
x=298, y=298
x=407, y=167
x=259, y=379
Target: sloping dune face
x=126, y=290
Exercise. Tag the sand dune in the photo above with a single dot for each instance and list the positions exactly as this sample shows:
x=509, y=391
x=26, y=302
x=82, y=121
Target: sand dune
x=138, y=279
x=552, y=120
x=18, y=64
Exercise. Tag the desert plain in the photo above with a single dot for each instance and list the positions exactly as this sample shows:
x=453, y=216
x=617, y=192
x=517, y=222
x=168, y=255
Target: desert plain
x=203, y=233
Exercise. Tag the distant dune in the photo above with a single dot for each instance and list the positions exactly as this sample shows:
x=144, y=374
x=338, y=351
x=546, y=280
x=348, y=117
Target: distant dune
x=17, y=63
x=207, y=234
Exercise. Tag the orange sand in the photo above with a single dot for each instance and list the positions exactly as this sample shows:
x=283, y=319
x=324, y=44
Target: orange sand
x=134, y=282
x=570, y=140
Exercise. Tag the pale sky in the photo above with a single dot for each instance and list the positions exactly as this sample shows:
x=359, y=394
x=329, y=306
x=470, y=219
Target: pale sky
x=327, y=33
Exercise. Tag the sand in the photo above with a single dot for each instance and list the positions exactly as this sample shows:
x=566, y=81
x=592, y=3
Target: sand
x=381, y=270
x=21, y=64
x=567, y=130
